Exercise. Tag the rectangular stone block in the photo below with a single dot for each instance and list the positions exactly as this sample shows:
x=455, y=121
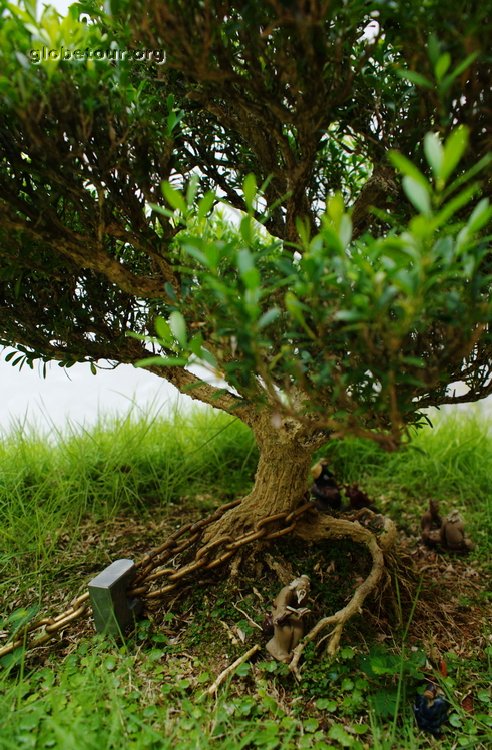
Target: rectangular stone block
x=114, y=612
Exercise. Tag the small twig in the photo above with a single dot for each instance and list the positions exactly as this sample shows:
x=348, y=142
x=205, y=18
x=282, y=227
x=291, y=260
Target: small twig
x=226, y=672
x=250, y=619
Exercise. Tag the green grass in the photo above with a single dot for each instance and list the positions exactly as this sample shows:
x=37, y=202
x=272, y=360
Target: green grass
x=451, y=463
x=135, y=466
x=67, y=507
x=454, y=459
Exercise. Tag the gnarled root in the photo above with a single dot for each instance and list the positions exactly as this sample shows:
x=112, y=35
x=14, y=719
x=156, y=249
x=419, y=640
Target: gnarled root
x=328, y=527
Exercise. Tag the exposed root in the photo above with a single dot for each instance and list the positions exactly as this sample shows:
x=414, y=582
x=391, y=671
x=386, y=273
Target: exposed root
x=284, y=571
x=328, y=527
x=230, y=669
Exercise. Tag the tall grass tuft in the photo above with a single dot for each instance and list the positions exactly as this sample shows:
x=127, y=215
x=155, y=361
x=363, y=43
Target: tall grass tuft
x=124, y=464
x=454, y=458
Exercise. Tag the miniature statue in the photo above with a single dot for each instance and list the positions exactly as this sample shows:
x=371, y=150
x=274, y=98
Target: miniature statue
x=325, y=490
x=287, y=616
x=453, y=536
x=431, y=710
x=430, y=525
x=358, y=498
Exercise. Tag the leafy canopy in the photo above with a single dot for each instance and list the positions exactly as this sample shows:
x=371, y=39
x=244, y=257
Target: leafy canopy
x=297, y=198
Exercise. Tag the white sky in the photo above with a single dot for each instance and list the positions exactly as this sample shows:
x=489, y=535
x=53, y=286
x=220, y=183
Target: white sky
x=60, y=5
x=78, y=396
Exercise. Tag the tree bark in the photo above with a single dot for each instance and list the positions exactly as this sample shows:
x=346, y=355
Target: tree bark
x=282, y=478
x=286, y=453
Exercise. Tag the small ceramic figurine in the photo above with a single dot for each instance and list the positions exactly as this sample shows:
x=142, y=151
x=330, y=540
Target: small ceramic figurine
x=431, y=710
x=357, y=498
x=325, y=490
x=453, y=535
x=430, y=525
x=287, y=616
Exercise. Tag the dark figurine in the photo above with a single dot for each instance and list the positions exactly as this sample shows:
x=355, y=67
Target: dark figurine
x=453, y=537
x=357, y=498
x=324, y=489
x=430, y=525
x=267, y=624
x=431, y=710
x=287, y=617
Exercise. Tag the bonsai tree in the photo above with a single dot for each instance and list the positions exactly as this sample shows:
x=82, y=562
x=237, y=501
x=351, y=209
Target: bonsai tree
x=295, y=199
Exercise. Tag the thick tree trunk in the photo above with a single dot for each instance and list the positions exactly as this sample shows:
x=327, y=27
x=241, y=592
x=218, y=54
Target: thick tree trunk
x=281, y=480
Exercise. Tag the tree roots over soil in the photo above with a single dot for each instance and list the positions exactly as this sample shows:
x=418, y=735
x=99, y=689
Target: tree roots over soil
x=374, y=532
x=340, y=554
x=379, y=540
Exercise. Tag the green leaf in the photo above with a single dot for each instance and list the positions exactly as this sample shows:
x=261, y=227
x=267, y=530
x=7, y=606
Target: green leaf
x=326, y=704
x=21, y=617
x=406, y=167
x=413, y=361
x=455, y=721
x=161, y=210
x=310, y=725
x=243, y=670
x=174, y=198
x=434, y=153
x=170, y=291
x=480, y=216
x=345, y=230
x=434, y=49
x=246, y=229
x=250, y=275
x=205, y=204
x=268, y=317
x=339, y=733
x=250, y=188
x=294, y=307
x=208, y=357
x=414, y=77
x=303, y=230
x=442, y=66
x=455, y=204
x=197, y=254
x=454, y=148
x=163, y=330
x=482, y=164
x=335, y=208
x=191, y=189
x=384, y=703
x=349, y=316
x=417, y=194
x=446, y=83
x=172, y=120
x=245, y=260
x=178, y=327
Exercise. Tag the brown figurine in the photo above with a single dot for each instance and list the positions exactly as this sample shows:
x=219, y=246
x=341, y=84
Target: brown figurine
x=430, y=525
x=357, y=497
x=325, y=490
x=287, y=616
x=453, y=536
